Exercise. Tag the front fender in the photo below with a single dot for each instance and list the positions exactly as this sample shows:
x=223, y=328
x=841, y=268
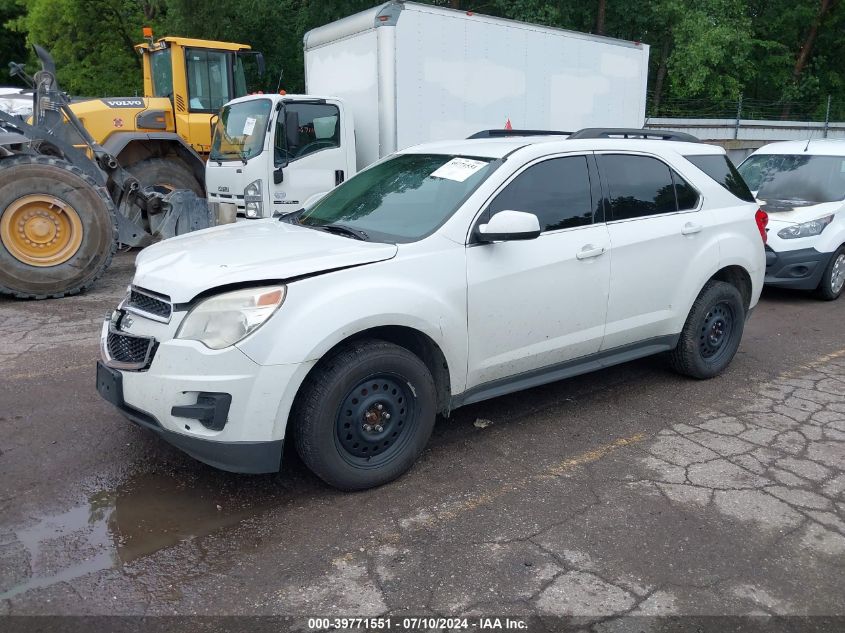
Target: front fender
x=426, y=293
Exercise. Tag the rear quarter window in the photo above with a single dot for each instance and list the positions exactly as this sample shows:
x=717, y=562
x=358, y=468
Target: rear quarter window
x=720, y=168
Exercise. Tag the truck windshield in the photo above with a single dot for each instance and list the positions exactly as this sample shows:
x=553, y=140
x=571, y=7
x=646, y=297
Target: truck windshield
x=795, y=178
x=240, y=131
x=402, y=199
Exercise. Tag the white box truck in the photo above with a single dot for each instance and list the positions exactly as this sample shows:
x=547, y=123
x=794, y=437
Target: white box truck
x=404, y=73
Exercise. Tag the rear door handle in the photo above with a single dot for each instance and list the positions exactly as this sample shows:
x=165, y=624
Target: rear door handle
x=589, y=251
x=690, y=228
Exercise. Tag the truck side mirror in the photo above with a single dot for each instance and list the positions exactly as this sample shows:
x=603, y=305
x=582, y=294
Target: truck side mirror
x=278, y=173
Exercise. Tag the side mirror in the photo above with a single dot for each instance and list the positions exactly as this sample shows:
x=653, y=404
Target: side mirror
x=509, y=225
x=278, y=174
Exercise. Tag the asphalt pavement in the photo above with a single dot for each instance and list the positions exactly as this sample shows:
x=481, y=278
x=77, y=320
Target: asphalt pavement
x=627, y=492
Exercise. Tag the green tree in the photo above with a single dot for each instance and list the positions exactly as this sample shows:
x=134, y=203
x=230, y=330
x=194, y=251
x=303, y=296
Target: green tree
x=12, y=43
x=91, y=42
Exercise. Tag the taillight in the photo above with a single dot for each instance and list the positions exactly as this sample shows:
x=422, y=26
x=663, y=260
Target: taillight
x=762, y=219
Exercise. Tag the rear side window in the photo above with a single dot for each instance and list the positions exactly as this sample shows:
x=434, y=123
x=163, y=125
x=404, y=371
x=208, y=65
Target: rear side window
x=639, y=186
x=720, y=168
x=557, y=191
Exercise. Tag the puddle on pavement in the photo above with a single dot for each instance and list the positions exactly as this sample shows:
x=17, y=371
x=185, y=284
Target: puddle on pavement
x=145, y=514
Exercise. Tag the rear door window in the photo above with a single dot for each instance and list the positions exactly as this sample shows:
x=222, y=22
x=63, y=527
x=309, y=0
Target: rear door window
x=638, y=186
x=720, y=168
x=685, y=192
x=557, y=191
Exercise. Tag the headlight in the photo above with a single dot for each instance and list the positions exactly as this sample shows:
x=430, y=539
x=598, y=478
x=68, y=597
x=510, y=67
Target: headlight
x=805, y=229
x=225, y=319
x=253, y=199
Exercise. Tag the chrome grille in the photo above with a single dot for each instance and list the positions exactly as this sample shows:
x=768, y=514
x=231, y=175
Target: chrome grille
x=126, y=351
x=148, y=305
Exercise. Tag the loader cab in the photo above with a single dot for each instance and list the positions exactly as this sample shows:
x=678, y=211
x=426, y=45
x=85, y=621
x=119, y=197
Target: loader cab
x=199, y=77
x=271, y=153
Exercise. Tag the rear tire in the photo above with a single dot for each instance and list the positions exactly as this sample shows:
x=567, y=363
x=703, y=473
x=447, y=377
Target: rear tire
x=712, y=332
x=364, y=415
x=62, y=196
x=833, y=278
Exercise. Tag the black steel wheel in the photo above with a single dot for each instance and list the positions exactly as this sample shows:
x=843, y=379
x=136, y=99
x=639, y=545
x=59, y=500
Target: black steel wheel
x=716, y=331
x=364, y=414
x=375, y=420
x=711, y=333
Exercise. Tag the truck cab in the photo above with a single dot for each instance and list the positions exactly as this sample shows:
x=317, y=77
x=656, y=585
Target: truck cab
x=271, y=153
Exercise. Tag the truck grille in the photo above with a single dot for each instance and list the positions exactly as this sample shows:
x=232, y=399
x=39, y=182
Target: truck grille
x=133, y=352
x=148, y=305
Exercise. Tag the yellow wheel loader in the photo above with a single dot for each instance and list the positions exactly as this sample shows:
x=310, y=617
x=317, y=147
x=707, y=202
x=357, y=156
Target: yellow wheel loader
x=65, y=199
x=164, y=137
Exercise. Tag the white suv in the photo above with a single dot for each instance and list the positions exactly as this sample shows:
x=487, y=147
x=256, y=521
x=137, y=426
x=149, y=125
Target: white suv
x=443, y=275
x=801, y=184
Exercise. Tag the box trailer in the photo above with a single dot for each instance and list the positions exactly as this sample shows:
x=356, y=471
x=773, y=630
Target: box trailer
x=404, y=73
x=411, y=73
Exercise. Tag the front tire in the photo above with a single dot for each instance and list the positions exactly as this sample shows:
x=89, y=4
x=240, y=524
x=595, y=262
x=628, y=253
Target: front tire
x=833, y=279
x=712, y=332
x=365, y=415
x=58, y=230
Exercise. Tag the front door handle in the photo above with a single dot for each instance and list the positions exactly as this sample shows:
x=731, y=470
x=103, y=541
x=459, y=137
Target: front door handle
x=690, y=228
x=589, y=251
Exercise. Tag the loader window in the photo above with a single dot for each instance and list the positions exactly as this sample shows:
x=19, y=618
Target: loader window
x=162, y=72
x=209, y=79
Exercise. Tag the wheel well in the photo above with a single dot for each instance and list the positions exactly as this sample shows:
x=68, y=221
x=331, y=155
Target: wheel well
x=739, y=278
x=141, y=149
x=418, y=344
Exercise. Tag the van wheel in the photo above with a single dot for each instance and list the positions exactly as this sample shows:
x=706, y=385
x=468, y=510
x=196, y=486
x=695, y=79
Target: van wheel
x=833, y=279
x=712, y=332
x=364, y=415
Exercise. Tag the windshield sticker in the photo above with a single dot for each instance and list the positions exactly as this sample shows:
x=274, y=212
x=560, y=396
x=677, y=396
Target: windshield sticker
x=458, y=169
x=249, y=126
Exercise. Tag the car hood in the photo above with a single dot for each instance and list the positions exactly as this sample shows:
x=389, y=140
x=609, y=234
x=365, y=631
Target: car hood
x=253, y=250
x=794, y=212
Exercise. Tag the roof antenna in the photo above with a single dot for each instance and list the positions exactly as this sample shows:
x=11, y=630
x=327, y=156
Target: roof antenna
x=281, y=74
x=807, y=146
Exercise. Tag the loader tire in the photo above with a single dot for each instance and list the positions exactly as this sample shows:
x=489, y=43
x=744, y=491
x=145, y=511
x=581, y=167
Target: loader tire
x=167, y=173
x=164, y=174
x=58, y=230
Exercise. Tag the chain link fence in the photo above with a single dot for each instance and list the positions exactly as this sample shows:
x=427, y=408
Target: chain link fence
x=828, y=109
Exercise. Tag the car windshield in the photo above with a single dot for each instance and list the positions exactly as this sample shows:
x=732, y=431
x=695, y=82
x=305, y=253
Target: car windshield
x=240, y=130
x=402, y=199
x=796, y=178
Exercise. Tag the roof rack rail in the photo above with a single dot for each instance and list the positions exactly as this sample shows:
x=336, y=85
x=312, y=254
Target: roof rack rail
x=616, y=132
x=502, y=133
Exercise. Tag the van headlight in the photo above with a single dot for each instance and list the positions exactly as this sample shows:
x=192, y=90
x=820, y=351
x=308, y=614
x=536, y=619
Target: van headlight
x=805, y=229
x=225, y=319
x=253, y=199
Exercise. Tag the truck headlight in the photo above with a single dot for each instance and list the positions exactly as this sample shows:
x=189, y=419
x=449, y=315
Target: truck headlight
x=253, y=199
x=225, y=319
x=805, y=229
